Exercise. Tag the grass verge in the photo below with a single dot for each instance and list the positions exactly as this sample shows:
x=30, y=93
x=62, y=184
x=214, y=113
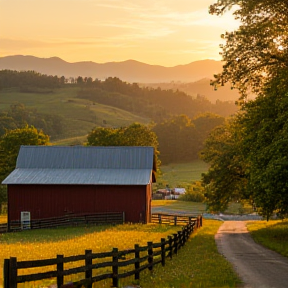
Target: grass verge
x=198, y=264
x=272, y=234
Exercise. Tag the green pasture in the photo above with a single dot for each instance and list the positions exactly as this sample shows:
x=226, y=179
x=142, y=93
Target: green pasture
x=198, y=264
x=181, y=174
x=80, y=115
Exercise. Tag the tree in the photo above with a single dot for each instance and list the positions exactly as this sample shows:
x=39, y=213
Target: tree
x=256, y=58
x=10, y=144
x=226, y=179
x=266, y=146
x=134, y=135
x=258, y=50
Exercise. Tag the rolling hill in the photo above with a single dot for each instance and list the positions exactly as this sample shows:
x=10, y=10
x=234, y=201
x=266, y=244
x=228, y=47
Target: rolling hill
x=130, y=70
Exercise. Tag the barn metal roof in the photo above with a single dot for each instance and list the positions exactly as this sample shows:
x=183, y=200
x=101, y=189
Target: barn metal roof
x=88, y=165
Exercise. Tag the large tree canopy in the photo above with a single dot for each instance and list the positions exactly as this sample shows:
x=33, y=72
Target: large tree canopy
x=134, y=135
x=256, y=143
x=258, y=50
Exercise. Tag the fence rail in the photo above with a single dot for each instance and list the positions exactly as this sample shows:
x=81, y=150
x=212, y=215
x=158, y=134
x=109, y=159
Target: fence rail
x=67, y=220
x=99, y=266
x=3, y=228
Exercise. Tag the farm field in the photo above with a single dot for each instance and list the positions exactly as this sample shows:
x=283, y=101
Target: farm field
x=80, y=115
x=181, y=174
x=47, y=243
x=177, y=205
x=197, y=264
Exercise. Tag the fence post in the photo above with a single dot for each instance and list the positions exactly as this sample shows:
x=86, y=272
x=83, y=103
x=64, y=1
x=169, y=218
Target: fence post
x=175, y=243
x=6, y=273
x=184, y=231
x=180, y=238
x=60, y=269
x=150, y=255
x=201, y=218
x=137, y=262
x=88, y=262
x=175, y=220
x=163, y=252
x=115, y=267
x=160, y=219
x=170, y=246
x=13, y=272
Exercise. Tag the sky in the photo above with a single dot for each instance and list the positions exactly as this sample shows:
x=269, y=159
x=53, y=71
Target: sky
x=156, y=32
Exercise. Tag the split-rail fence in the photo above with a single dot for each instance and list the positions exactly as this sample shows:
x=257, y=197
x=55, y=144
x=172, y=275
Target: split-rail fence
x=117, y=264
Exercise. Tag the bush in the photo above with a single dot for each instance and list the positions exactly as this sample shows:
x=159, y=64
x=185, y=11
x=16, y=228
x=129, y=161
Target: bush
x=192, y=196
x=194, y=193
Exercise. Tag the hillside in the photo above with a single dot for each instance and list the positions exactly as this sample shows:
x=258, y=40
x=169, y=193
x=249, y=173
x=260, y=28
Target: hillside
x=130, y=70
x=201, y=87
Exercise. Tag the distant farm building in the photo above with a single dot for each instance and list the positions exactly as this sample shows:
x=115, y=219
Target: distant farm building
x=52, y=181
x=169, y=194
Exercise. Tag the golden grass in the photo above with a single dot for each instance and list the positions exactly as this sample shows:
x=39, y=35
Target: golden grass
x=47, y=243
x=3, y=219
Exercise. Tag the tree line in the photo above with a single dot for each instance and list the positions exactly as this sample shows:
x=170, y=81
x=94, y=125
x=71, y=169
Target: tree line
x=155, y=103
x=18, y=116
x=248, y=153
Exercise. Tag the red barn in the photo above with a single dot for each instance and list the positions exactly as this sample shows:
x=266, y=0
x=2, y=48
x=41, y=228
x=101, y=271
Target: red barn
x=53, y=181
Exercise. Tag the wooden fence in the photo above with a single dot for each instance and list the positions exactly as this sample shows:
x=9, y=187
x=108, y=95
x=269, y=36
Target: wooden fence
x=117, y=265
x=67, y=220
x=3, y=228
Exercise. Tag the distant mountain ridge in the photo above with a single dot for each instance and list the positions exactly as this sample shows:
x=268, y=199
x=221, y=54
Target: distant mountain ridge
x=129, y=71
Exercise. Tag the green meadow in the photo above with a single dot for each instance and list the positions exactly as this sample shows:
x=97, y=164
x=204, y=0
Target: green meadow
x=80, y=115
x=181, y=174
x=198, y=264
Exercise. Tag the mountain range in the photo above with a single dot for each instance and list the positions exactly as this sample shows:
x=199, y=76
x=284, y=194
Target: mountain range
x=129, y=71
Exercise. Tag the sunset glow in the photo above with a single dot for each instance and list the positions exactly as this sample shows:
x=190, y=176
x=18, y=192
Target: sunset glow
x=163, y=32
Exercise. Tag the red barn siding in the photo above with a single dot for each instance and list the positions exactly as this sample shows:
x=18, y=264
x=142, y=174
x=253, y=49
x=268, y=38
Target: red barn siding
x=44, y=201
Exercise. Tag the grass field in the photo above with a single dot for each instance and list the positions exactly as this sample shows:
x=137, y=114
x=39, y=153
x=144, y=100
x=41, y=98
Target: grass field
x=197, y=264
x=176, y=205
x=181, y=174
x=80, y=115
x=47, y=243
x=272, y=234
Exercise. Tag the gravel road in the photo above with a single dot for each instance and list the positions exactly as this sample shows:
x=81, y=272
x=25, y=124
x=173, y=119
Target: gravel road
x=256, y=266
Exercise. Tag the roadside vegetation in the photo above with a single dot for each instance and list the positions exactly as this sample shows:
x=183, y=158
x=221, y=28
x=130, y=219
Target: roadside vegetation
x=272, y=234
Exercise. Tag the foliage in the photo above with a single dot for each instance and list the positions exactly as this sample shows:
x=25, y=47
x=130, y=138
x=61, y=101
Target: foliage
x=134, y=135
x=29, y=81
x=265, y=145
x=156, y=103
x=257, y=51
x=10, y=144
x=194, y=193
x=225, y=180
x=181, y=138
x=18, y=116
x=255, y=58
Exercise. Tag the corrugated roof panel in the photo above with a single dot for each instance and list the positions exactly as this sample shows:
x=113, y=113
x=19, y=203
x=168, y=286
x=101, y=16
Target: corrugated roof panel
x=80, y=176
x=87, y=157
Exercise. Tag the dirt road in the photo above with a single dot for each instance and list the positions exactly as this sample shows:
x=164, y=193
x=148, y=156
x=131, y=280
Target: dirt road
x=256, y=266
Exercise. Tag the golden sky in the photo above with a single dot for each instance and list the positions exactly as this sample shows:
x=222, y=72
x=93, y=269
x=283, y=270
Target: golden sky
x=160, y=32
